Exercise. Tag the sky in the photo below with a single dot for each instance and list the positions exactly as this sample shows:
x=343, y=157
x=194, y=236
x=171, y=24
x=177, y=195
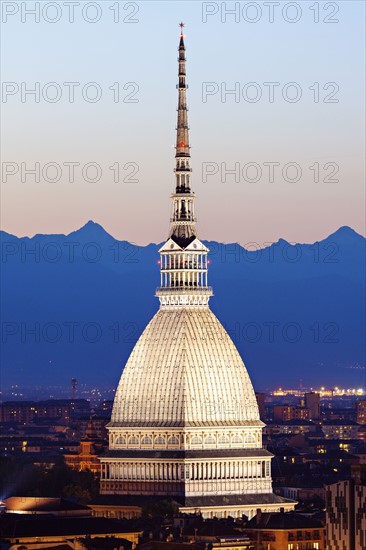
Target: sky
x=291, y=131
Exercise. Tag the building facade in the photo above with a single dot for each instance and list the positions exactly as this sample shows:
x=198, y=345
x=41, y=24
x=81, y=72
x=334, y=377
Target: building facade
x=361, y=411
x=281, y=531
x=283, y=413
x=338, y=429
x=185, y=422
x=312, y=402
x=346, y=512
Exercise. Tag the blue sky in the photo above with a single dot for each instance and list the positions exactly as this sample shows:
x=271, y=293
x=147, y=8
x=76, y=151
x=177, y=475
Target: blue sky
x=327, y=137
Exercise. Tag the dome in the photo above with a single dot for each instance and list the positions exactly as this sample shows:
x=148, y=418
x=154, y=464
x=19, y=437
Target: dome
x=185, y=371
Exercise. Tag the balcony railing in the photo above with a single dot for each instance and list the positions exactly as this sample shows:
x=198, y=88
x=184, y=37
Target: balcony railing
x=184, y=289
x=187, y=267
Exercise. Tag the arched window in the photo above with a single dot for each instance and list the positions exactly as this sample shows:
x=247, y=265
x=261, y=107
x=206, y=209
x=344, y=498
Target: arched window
x=237, y=440
x=224, y=440
x=173, y=440
x=210, y=440
x=146, y=440
x=249, y=440
x=120, y=440
x=159, y=440
x=133, y=440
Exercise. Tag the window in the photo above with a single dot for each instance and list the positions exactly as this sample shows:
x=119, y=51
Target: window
x=146, y=440
x=159, y=440
x=133, y=440
x=173, y=440
x=224, y=440
x=210, y=440
x=196, y=440
x=120, y=440
x=249, y=440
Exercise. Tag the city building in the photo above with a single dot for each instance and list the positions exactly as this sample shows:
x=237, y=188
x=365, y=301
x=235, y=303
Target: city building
x=38, y=531
x=283, y=413
x=338, y=429
x=94, y=426
x=286, y=531
x=291, y=427
x=87, y=456
x=340, y=413
x=303, y=492
x=312, y=402
x=361, y=411
x=91, y=446
x=185, y=422
x=346, y=512
x=41, y=506
x=115, y=507
x=25, y=412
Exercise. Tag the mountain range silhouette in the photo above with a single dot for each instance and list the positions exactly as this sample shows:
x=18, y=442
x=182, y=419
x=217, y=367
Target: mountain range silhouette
x=74, y=305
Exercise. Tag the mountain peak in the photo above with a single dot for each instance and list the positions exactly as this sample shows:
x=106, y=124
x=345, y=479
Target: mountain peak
x=91, y=228
x=344, y=232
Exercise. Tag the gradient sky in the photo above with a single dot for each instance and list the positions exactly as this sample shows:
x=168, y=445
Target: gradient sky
x=228, y=132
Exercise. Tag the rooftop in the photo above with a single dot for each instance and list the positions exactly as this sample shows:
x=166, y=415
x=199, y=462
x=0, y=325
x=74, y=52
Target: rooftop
x=282, y=521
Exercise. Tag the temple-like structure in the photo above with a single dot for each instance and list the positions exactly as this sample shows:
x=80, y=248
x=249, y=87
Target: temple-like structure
x=185, y=423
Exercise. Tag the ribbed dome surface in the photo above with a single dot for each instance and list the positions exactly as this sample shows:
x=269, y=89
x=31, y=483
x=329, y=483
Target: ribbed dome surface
x=185, y=371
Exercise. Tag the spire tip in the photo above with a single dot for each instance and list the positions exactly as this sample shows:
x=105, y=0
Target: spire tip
x=181, y=24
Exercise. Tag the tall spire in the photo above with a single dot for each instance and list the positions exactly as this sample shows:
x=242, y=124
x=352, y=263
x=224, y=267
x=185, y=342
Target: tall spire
x=183, y=222
x=182, y=145
x=183, y=258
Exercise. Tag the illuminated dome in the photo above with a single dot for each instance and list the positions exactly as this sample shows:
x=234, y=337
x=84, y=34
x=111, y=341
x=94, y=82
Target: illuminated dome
x=185, y=423
x=185, y=371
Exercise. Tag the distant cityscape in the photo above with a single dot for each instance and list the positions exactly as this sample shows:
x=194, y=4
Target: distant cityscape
x=97, y=394
x=317, y=438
